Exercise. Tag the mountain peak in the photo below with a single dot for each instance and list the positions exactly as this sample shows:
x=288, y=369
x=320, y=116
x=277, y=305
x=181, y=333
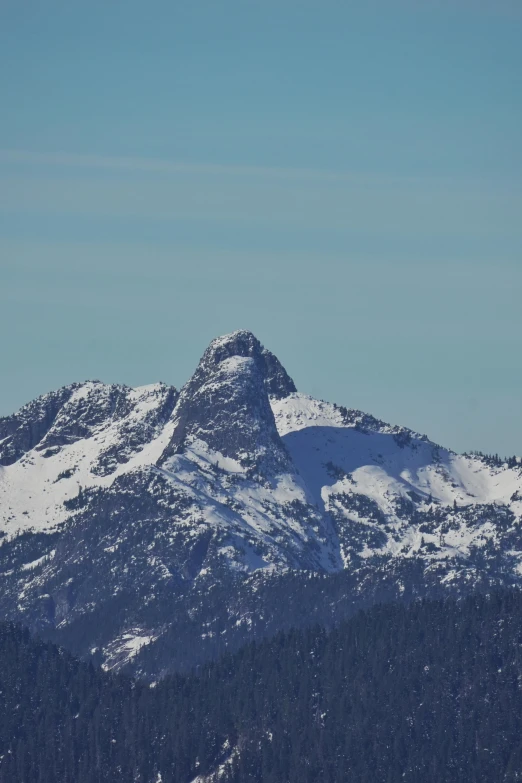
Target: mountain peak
x=226, y=402
x=243, y=343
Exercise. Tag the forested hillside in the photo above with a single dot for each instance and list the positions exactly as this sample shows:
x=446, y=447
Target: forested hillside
x=430, y=691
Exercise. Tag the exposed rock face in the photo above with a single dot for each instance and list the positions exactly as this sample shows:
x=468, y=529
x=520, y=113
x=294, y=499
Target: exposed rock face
x=278, y=383
x=190, y=522
x=25, y=429
x=226, y=404
x=83, y=410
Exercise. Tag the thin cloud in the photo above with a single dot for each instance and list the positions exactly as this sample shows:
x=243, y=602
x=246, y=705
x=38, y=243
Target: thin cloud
x=165, y=166
x=162, y=166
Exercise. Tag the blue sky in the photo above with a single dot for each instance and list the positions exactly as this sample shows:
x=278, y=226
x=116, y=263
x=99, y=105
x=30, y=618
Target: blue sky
x=345, y=179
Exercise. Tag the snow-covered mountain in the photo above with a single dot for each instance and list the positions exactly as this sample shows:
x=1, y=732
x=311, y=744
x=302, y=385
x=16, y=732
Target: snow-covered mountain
x=147, y=519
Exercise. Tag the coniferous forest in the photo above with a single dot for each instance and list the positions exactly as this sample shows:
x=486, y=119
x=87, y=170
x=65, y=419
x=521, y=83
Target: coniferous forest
x=431, y=691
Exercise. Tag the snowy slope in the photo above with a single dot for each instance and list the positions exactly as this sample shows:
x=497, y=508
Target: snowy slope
x=381, y=457
x=98, y=433
x=345, y=456
x=268, y=524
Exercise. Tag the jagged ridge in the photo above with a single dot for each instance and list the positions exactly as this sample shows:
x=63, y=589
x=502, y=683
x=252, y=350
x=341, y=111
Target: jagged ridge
x=126, y=510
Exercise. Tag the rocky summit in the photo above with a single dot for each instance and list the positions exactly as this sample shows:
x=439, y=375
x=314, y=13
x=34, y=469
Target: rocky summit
x=152, y=529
